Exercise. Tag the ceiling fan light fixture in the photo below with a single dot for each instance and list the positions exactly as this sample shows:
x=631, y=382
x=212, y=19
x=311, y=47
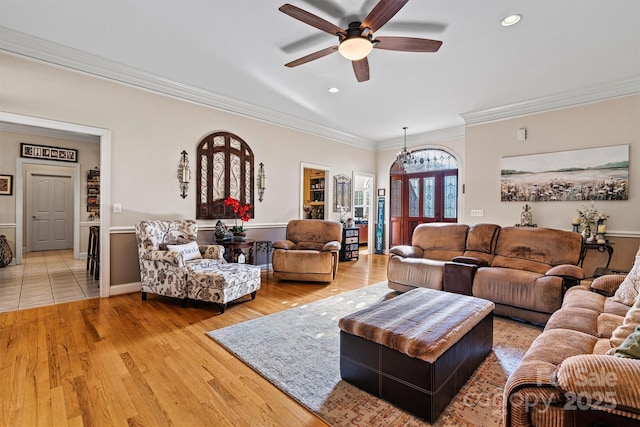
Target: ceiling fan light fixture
x=355, y=48
x=511, y=20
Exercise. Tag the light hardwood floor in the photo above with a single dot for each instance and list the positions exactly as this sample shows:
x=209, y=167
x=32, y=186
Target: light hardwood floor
x=45, y=278
x=124, y=362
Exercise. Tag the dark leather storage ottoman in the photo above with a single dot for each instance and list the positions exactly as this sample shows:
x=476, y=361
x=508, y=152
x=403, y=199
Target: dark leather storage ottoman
x=422, y=387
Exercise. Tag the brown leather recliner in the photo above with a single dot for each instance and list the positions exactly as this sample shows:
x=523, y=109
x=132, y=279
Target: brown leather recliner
x=310, y=251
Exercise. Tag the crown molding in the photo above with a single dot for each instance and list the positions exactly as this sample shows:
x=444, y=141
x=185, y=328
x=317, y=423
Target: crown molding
x=430, y=137
x=25, y=45
x=617, y=89
x=48, y=132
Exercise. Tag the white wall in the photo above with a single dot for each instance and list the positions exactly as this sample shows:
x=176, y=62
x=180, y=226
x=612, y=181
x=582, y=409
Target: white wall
x=611, y=122
x=149, y=131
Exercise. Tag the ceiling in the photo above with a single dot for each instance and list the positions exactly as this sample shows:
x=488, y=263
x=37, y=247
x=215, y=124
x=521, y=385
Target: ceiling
x=232, y=54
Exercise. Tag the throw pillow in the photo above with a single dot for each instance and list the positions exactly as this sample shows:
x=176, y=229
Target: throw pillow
x=630, y=348
x=174, y=241
x=630, y=322
x=189, y=251
x=627, y=292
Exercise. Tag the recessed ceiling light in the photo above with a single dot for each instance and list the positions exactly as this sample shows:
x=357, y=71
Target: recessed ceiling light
x=511, y=20
x=334, y=90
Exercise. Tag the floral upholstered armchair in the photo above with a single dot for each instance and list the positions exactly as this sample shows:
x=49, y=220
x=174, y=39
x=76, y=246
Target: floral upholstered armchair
x=165, y=249
x=173, y=264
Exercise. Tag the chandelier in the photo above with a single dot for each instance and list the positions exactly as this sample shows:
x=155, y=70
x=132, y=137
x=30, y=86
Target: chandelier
x=404, y=158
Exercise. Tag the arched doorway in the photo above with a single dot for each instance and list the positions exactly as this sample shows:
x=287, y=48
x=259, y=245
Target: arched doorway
x=424, y=190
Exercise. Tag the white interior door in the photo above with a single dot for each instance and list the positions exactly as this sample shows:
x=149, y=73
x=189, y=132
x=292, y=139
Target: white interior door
x=49, y=211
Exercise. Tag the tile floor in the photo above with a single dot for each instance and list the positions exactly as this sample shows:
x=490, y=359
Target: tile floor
x=46, y=278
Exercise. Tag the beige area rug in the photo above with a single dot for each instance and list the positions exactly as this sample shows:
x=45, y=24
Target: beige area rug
x=298, y=350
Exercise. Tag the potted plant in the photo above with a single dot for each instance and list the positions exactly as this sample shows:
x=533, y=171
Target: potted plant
x=240, y=211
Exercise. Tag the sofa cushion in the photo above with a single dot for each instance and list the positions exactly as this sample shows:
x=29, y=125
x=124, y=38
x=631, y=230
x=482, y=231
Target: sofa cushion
x=575, y=318
x=603, y=345
x=627, y=292
x=314, y=246
x=440, y=241
x=555, y=345
x=518, y=288
x=631, y=346
x=581, y=296
x=615, y=307
x=317, y=230
x=426, y=273
x=536, y=249
x=306, y=261
x=482, y=238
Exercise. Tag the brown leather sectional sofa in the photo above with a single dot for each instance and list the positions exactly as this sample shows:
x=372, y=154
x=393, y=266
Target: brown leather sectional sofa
x=523, y=270
x=569, y=377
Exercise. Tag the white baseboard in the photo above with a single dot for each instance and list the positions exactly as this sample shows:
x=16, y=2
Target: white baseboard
x=125, y=288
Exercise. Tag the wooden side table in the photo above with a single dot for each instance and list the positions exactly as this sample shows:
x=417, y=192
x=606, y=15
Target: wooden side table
x=233, y=248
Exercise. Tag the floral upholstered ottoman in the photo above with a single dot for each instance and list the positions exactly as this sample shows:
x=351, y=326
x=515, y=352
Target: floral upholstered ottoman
x=222, y=282
x=418, y=349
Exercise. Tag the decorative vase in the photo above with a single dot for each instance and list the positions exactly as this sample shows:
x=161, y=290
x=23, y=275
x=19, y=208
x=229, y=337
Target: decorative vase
x=239, y=236
x=5, y=252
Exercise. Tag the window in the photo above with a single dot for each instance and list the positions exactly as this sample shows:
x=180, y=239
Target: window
x=225, y=169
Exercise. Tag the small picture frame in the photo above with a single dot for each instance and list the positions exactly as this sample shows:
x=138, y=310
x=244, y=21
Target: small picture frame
x=381, y=192
x=6, y=185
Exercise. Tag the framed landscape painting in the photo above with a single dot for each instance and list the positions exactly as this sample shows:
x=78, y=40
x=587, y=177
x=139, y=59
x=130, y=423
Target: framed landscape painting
x=590, y=174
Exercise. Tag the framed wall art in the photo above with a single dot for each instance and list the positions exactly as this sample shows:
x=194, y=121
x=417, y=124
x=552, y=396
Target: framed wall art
x=48, y=153
x=589, y=174
x=6, y=185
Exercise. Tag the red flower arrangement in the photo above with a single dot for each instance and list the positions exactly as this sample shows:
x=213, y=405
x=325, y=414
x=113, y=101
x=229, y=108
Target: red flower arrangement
x=240, y=211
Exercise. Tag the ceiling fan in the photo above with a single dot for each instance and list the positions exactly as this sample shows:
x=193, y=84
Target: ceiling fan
x=357, y=41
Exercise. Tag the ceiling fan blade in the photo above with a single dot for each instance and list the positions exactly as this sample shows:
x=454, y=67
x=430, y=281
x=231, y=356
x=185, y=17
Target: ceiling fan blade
x=312, y=56
x=311, y=19
x=381, y=14
x=408, y=44
x=361, y=68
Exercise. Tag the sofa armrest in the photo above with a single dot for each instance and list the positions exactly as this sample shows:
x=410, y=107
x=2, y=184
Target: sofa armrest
x=570, y=274
x=601, y=382
x=471, y=261
x=333, y=246
x=566, y=270
x=407, y=251
x=212, y=251
x=283, y=244
x=458, y=277
x=607, y=285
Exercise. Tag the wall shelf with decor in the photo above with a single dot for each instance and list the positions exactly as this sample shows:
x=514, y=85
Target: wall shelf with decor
x=315, y=193
x=93, y=193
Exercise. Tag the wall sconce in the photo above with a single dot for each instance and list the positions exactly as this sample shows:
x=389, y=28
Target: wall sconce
x=184, y=174
x=262, y=181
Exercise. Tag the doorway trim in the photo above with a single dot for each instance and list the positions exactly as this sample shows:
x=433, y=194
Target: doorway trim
x=372, y=207
x=105, y=189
